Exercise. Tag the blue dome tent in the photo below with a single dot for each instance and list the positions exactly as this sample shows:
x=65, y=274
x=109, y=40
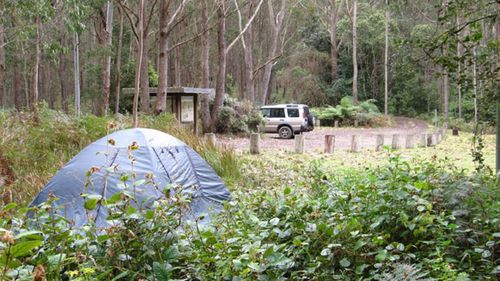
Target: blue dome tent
x=157, y=154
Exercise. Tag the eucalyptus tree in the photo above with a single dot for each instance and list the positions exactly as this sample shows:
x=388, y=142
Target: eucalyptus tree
x=167, y=20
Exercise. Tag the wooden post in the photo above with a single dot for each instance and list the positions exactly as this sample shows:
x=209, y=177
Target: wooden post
x=409, y=141
x=354, y=143
x=379, y=144
x=395, y=142
x=210, y=138
x=455, y=131
x=317, y=123
x=329, y=143
x=423, y=140
x=436, y=124
x=336, y=123
x=431, y=139
x=299, y=143
x=254, y=143
x=356, y=122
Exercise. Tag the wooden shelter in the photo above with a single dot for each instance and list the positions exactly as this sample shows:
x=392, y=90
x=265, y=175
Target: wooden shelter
x=181, y=101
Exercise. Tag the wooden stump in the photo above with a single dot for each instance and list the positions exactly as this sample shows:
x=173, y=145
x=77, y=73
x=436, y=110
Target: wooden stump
x=329, y=143
x=299, y=144
x=409, y=141
x=356, y=122
x=336, y=124
x=379, y=145
x=395, y=142
x=423, y=140
x=210, y=138
x=455, y=131
x=254, y=143
x=354, y=143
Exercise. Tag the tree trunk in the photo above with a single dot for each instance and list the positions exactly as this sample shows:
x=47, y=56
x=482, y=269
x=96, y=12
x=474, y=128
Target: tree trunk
x=177, y=67
x=36, y=66
x=354, y=54
x=107, y=37
x=205, y=65
x=144, y=78
x=119, y=61
x=446, y=95
x=137, y=82
x=459, y=71
x=76, y=71
x=161, y=98
x=221, y=71
x=2, y=66
x=247, y=42
x=62, y=76
x=474, y=83
x=386, y=59
x=334, y=17
x=276, y=23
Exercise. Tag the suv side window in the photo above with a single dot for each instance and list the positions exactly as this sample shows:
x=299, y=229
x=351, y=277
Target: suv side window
x=293, y=112
x=266, y=112
x=277, y=113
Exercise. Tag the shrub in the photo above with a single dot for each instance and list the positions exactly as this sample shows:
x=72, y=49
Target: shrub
x=401, y=221
x=238, y=117
x=366, y=113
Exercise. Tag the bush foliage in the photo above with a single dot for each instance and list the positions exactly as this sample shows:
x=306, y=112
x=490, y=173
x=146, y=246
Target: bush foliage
x=396, y=222
x=366, y=113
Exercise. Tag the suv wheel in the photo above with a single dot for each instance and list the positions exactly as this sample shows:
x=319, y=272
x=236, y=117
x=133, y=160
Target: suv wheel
x=285, y=132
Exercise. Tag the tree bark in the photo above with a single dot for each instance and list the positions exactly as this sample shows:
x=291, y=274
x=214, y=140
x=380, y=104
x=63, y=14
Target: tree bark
x=354, y=54
x=36, y=66
x=161, y=99
x=221, y=71
x=135, y=121
x=145, y=104
x=386, y=59
x=334, y=17
x=107, y=41
x=119, y=61
x=446, y=96
x=205, y=65
x=474, y=84
x=2, y=66
x=276, y=23
x=62, y=76
x=76, y=71
x=247, y=42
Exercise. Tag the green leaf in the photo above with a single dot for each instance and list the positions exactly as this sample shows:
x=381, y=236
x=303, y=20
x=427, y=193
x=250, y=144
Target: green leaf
x=161, y=272
x=254, y=266
x=287, y=190
x=274, y=221
x=33, y=234
x=90, y=204
x=24, y=248
x=345, y=262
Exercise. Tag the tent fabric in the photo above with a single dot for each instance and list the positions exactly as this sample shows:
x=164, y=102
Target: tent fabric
x=167, y=158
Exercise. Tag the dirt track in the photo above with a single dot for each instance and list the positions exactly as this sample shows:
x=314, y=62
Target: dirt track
x=315, y=139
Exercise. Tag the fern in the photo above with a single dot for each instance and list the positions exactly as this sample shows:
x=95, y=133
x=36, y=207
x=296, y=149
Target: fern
x=404, y=272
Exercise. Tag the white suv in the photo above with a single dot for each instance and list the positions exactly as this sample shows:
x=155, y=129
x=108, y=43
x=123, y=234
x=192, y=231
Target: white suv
x=287, y=119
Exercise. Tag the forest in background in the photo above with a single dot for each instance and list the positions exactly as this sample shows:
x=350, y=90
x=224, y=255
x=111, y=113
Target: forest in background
x=411, y=57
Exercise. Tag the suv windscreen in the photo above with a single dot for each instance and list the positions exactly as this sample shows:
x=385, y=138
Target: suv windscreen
x=277, y=113
x=293, y=112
